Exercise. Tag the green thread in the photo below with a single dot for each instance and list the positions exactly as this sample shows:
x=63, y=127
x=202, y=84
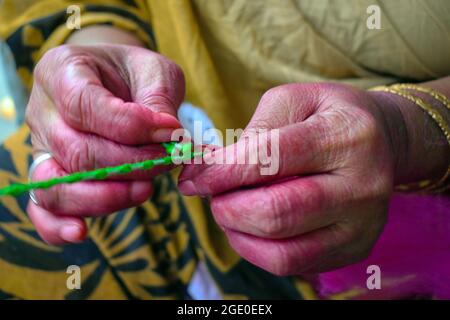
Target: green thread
x=185, y=151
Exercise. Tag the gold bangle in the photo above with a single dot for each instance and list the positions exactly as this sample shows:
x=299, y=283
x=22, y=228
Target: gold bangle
x=442, y=189
x=439, y=97
x=435, y=94
x=440, y=121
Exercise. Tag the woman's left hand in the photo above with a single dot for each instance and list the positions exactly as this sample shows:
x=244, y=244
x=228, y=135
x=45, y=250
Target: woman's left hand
x=327, y=204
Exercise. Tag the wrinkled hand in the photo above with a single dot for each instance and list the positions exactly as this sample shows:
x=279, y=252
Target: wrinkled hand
x=93, y=107
x=328, y=202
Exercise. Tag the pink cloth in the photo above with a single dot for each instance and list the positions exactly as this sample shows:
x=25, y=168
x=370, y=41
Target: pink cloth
x=413, y=254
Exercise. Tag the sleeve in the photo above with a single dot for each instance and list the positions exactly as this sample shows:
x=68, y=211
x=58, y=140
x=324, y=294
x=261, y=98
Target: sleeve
x=32, y=27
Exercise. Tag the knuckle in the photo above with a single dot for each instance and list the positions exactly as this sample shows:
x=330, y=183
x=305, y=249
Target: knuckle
x=208, y=179
x=262, y=123
x=298, y=101
x=60, y=51
x=272, y=223
x=159, y=62
x=50, y=199
x=159, y=96
x=361, y=130
x=38, y=142
x=41, y=68
x=288, y=91
x=50, y=60
x=77, y=106
x=165, y=89
x=283, y=263
x=282, y=90
x=81, y=156
x=343, y=234
x=72, y=95
x=168, y=90
x=179, y=84
x=122, y=118
x=219, y=210
x=39, y=121
x=224, y=214
x=275, y=93
x=175, y=71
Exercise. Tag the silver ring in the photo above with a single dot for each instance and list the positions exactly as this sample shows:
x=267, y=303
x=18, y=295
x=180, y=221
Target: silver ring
x=39, y=160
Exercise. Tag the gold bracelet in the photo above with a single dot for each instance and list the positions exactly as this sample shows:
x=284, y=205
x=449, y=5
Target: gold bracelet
x=439, y=97
x=437, y=117
x=435, y=94
x=442, y=189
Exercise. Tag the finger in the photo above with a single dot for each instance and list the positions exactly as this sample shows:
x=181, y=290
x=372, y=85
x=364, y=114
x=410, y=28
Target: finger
x=77, y=151
x=283, y=209
x=303, y=148
x=158, y=83
x=57, y=230
x=123, y=122
x=292, y=256
x=86, y=105
x=286, y=104
x=87, y=198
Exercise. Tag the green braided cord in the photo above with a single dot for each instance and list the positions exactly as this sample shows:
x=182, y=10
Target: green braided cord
x=104, y=173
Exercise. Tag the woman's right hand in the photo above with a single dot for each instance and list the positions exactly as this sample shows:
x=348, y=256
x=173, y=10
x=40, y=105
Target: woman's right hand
x=93, y=107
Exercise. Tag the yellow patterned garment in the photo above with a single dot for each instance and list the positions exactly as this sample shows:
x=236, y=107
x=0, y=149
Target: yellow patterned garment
x=231, y=53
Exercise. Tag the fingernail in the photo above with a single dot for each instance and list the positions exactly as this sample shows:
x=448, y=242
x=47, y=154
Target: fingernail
x=163, y=135
x=72, y=233
x=188, y=188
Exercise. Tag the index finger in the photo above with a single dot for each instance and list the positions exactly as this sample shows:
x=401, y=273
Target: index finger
x=302, y=148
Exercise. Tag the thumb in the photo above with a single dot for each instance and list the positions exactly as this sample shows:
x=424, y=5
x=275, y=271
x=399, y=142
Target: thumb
x=158, y=84
x=282, y=139
x=284, y=105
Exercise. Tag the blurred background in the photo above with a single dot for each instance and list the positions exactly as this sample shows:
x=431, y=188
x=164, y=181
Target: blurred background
x=12, y=94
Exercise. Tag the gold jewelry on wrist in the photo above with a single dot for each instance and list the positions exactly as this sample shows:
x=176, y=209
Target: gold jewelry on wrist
x=435, y=94
x=435, y=115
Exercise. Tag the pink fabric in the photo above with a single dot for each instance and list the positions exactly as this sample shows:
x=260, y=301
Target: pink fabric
x=413, y=254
